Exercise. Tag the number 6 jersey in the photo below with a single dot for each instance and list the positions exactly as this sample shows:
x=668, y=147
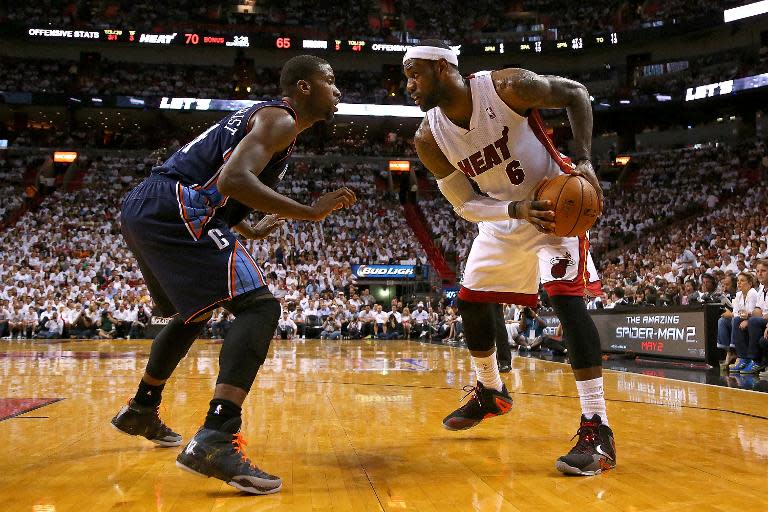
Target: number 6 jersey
x=506, y=154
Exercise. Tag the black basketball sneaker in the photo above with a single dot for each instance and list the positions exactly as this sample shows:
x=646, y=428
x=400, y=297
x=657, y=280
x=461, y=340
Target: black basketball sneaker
x=144, y=420
x=485, y=403
x=594, y=452
x=219, y=453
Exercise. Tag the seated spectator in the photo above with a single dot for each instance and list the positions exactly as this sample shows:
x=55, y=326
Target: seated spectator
x=690, y=294
x=531, y=326
x=53, y=327
x=405, y=320
x=331, y=329
x=732, y=325
x=380, y=325
x=756, y=350
x=709, y=290
x=106, y=327
x=301, y=323
x=392, y=328
x=286, y=327
x=221, y=321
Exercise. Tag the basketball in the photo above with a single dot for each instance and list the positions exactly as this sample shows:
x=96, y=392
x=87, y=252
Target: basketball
x=575, y=203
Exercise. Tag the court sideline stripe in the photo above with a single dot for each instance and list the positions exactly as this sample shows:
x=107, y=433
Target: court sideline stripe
x=617, y=400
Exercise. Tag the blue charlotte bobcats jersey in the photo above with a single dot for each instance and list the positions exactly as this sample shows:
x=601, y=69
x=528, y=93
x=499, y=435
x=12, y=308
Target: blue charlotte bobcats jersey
x=199, y=162
x=197, y=165
x=177, y=222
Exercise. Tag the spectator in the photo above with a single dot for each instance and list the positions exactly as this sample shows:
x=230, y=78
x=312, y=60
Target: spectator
x=732, y=326
x=54, y=327
x=755, y=351
x=286, y=327
x=331, y=329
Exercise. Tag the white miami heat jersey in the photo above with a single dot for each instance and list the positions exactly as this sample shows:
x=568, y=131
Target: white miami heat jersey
x=506, y=154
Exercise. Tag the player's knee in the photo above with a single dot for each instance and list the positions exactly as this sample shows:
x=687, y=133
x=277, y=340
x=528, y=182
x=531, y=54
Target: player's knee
x=580, y=332
x=268, y=309
x=756, y=321
x=479, y=323
x=475, y=309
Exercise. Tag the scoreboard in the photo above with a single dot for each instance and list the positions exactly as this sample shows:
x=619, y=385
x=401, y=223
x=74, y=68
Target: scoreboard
x=107, y=35
x=287, y=42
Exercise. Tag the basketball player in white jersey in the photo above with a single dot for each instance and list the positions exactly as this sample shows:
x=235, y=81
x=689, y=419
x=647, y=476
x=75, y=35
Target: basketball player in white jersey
x=486, y=129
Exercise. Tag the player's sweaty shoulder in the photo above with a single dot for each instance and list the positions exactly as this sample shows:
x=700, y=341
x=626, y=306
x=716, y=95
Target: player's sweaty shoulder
x=519, y=88
x=430, y=153
x=273, y=126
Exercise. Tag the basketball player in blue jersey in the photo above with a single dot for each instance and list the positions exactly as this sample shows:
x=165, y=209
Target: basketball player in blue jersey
x=178, y=223
x=486, y=129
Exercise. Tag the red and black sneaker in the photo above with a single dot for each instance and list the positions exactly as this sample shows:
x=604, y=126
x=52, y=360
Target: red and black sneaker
x=594, y=452
x=485, y=403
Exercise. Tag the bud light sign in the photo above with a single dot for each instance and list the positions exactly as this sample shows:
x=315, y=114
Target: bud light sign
x=384, y=271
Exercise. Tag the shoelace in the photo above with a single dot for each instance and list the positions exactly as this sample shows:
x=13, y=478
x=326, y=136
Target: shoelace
x=587, y=436
x=470, y=390
x=240, y=443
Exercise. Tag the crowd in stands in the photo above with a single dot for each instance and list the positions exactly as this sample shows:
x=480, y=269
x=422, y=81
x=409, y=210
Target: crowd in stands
x=12, y=172
x=246, y=81
x=360, y=144
x=691, y=213
x=122, y=78
x=701, y=70
x=96, y=136
x=390, y=20
x=669, y=266
x=664, y=185
x=68, y=257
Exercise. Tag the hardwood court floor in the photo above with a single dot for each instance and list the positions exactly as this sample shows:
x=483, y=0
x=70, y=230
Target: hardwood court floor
x=356, y=426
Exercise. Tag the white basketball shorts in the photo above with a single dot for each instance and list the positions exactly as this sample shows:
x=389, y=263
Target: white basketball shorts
x=506, y=265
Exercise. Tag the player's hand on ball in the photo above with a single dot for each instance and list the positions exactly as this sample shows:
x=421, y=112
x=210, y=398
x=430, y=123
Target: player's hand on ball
x=538, y=213
x=341, y=198
x=584, y=168
x=267, y=225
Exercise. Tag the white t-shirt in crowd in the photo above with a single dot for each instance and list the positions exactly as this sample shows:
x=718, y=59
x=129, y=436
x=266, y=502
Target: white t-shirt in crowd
x=742, y=303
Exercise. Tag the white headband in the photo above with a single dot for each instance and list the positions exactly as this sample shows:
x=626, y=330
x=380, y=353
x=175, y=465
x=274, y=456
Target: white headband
x=431, y=53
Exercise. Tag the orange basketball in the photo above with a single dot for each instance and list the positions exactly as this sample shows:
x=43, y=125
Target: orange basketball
x=574, y=201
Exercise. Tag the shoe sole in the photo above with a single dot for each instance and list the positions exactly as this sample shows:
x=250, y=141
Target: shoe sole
x=448, y=427
x=569, y=470
x=158, y=442
x=249, y=490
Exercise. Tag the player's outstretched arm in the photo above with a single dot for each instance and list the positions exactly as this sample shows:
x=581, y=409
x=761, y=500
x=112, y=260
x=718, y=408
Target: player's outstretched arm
x=465, y=201
x=524, y=90
x=272, y=131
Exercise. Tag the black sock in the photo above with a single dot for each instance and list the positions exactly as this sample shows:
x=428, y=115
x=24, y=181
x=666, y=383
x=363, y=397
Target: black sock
x=148, y=395
x=220, y=412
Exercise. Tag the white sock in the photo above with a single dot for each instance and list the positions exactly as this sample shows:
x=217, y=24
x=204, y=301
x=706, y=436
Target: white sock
x=592, y=398
x=488, y=371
